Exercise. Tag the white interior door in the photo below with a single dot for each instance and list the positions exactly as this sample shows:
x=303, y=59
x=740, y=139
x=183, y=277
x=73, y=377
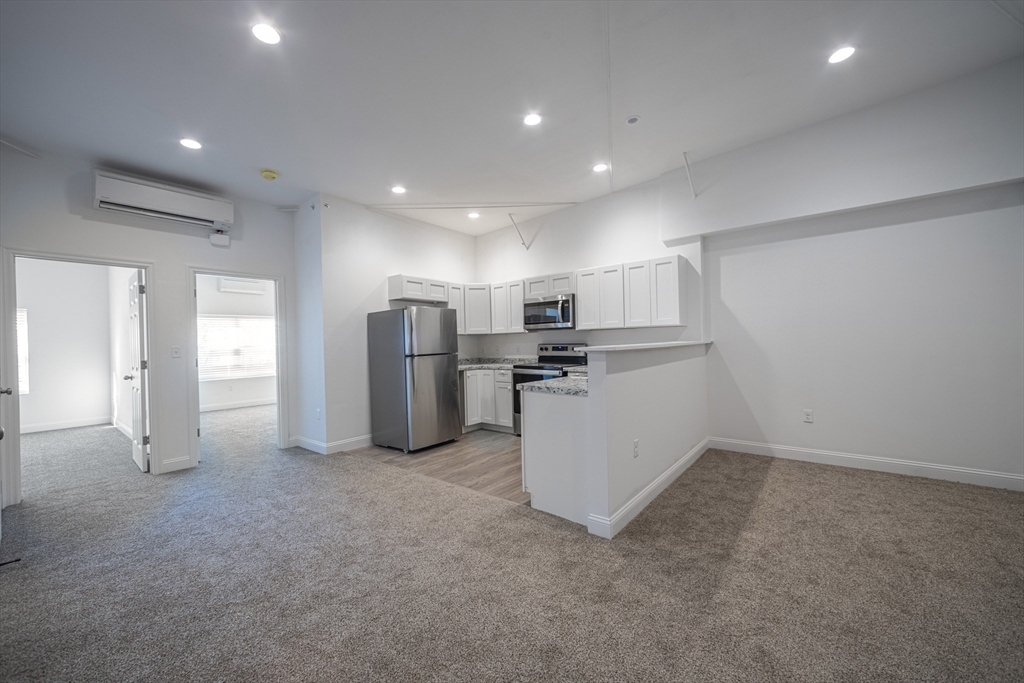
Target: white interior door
x=139, y=373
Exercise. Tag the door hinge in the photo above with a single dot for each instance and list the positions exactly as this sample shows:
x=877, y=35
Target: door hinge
x=145, y=441
x=143, y=365
x=142, y=289
x=197, y=432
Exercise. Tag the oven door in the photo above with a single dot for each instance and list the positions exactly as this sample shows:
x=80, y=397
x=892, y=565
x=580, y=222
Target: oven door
x=522, y=377
x=550, y=312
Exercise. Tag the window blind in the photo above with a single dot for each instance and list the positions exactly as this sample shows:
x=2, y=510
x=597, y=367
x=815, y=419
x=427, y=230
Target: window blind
x=236, y=347
x=21, y=332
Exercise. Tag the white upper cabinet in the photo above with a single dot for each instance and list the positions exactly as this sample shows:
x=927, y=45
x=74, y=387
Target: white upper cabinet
x=668, y=291
x=636, y=278
x=515, y=306
x=457, y=302
x=549, y=285
x=478, y=308
x=612, y=308
x=588, y=299
x=499, y=308
x=562, y=283
x=409, y=288
x=537, y=286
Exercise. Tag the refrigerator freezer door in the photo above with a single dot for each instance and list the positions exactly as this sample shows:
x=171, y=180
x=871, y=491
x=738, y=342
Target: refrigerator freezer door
x=432, y=383
x=430, y=331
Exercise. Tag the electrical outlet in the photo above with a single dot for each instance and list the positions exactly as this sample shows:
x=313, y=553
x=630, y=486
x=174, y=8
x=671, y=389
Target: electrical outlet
x=231, y=387
x=636, y=448
x=808, y=415
x=318, y=413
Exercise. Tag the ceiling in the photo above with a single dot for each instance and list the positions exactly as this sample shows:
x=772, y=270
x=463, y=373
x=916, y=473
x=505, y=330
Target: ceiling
x=360, y=96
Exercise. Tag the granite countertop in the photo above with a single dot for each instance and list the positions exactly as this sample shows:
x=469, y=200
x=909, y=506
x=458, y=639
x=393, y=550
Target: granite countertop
x=567, y=386
x=579, y=370
x=504, y=363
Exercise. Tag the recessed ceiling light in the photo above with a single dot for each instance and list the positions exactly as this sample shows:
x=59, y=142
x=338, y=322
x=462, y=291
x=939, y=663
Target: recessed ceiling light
x=841, y=54
x=532, y=119
x=190, y=143
x=474, y=215
x=398, y=189
x=600, y=167
x=266, y=33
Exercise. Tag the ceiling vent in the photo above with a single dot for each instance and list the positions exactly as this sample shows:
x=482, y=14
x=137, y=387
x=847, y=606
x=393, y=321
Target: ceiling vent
x=154, y=200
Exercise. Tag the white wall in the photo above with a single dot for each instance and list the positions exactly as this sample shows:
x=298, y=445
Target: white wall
x=120, y=353
x=901, y=327
x=308, y=424
x=961, y=134
x=617, y=228
x=47, y=206
x=222, y=394
x=69, y=344
x=361, y=248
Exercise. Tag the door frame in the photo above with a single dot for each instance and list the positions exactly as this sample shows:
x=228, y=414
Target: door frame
x=10, y=410
x=280, y=314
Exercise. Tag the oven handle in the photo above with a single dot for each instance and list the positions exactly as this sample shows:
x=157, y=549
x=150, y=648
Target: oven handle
x=536, y=372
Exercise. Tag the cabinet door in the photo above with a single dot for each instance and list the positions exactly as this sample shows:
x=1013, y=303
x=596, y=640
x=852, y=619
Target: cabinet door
x=515, y=306
x=499, y=308
x=478, y=309
x=503, y=404
x=636, y=279
x=562, y=283
x=437, y=291
x=588, y=299
x=612, y=309
x=487, y=396
x=668, y=291
x=472, y=381
x=537, y=286
x=455, y=301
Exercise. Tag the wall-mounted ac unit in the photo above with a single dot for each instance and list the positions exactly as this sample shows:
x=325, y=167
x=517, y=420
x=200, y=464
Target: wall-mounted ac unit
x=145, y=198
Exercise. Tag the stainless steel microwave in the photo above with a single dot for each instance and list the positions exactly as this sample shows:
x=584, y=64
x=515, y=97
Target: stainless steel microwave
x=550, y=312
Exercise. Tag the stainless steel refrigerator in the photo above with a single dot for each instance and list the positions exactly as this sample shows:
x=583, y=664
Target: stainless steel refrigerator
x=414, y=377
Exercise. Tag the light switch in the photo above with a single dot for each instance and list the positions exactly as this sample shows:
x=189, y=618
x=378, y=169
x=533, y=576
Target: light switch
x=175, y=352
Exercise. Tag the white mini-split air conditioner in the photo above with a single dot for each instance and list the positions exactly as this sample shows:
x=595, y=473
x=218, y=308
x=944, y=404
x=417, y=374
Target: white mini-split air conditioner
x=145, y=198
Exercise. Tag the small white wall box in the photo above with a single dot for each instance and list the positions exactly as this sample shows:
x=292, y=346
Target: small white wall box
x=239, y=285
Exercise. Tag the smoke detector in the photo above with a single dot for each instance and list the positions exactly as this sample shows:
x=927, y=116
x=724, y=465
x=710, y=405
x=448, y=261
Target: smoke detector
x=268, y=174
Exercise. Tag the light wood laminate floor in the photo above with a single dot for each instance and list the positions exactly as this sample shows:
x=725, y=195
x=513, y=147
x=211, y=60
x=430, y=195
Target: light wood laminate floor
x=484, y=461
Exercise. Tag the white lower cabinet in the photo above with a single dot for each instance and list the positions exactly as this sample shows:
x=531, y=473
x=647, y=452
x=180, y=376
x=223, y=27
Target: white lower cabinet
x=472, y=384
x=503, y=404
x=488, y=397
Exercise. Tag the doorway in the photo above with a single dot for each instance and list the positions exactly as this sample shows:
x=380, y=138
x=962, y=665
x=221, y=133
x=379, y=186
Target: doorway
x=237, y=361
x=78, y=411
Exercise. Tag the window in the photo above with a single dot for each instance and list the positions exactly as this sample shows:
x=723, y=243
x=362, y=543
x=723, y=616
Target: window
x=236, y=347
x=21, y=331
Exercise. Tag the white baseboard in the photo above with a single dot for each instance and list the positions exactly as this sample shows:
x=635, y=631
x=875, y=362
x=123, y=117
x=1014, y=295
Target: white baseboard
x=607, y=527
x=237, y=404
x=332, y=447
x=50, y=426
x=123, y=428
x=1002, y=480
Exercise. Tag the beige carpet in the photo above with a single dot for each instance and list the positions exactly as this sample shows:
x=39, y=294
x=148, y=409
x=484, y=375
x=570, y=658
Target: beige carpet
x=286, y=565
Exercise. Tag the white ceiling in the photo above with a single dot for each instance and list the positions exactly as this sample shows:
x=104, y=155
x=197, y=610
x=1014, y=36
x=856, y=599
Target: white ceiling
x=359, y=96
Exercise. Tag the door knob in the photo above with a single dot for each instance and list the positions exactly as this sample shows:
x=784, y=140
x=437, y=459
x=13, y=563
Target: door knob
x=129, y=377
x=7, y=391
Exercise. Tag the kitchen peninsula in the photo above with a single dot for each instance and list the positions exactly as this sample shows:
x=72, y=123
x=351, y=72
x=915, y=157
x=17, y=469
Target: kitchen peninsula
x=598, y=447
